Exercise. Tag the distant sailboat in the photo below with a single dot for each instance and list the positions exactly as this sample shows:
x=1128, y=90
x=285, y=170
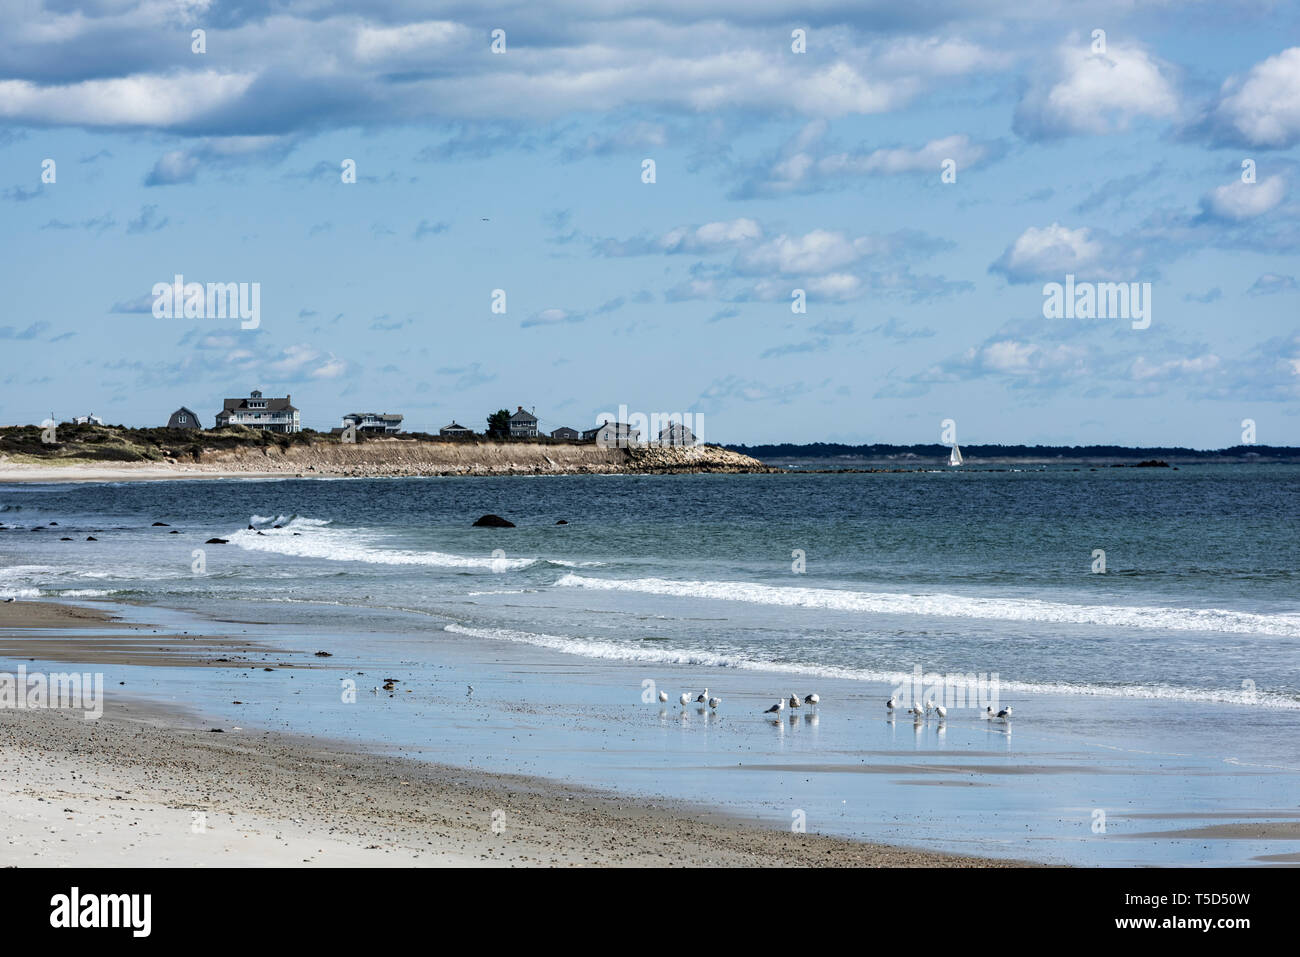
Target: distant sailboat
x=954, y=457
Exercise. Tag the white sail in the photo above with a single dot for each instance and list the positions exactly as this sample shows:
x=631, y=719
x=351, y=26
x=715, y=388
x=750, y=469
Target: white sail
x=954, y=458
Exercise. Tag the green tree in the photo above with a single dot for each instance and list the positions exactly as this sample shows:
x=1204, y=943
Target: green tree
x=499, y=424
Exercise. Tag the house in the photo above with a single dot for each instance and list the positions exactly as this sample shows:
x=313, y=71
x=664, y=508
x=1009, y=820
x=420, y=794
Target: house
x=91, y=419
x=455, y=430
x=183, y=418
x=260, y=412
x=564, y=432
x=381, y=423
x=674, y=433
x=613, y=435
x=523, y=425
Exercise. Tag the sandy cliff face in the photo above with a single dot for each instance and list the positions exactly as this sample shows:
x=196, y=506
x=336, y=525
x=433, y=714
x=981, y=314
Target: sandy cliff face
x=393, y=457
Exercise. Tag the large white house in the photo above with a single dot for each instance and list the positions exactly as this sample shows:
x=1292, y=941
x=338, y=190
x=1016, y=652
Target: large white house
x=260, y=412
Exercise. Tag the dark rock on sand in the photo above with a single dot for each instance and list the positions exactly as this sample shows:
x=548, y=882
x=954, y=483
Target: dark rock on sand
x=216, y=541
x=493, y=521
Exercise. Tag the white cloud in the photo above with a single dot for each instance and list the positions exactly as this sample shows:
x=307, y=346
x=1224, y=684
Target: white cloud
x=1049, y=251
x=1238, y=200
x=1263, y=109
x=1085, y=92
x=140, y=100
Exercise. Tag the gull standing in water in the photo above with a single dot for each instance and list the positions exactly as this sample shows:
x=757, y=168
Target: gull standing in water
x=916, y=709
x=685, y=699
x=892, y=703
x=794, y=700
x=812, y=700
x=703, y=697
x=776, y=708
x=940, y=710
x=1004, y=713
x=663, y=697
x=714, y=702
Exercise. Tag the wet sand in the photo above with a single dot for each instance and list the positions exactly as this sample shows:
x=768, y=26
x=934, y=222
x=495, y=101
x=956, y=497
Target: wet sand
x=149, y=785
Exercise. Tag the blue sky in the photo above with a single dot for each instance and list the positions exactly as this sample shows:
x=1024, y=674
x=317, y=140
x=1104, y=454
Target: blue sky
x=775, y=171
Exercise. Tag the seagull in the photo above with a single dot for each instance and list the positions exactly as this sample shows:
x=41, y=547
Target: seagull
x=1004, y=713
x=714, y=702
x=916, y=709
x=470, y=691
x=776, y=708
x=988, y=713
x=794, y=700
x=812, y=699
x=940, y=710
x=703, y=697
x=685, y=699
x=892, y=703
x=663, y=696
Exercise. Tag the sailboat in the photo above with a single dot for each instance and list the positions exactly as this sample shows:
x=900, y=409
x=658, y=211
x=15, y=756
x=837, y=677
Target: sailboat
x=954, y=457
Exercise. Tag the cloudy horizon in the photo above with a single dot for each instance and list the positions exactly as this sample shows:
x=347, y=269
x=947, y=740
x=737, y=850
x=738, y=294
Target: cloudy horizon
x=450, y=208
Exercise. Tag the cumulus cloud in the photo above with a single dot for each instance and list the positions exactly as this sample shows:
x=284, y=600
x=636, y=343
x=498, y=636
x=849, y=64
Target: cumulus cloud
x=1085, y=92
x=1261, y=109
x=1053, y=251
x=1239, y=201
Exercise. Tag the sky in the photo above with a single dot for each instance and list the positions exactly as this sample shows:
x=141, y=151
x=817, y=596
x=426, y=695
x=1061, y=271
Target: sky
x=920, y=171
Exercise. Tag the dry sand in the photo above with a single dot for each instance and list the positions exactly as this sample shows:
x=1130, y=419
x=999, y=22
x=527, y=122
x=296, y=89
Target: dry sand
x=147, y=786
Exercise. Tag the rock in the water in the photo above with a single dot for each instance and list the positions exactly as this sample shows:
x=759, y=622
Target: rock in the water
x=174, y=531
x=493, y=521
x=563, y=521
x=160, y=525
x=216, y=541
x=65, y=539
x=91, y=538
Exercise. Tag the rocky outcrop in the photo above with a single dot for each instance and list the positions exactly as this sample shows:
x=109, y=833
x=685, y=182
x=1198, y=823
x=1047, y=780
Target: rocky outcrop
x=492, y=521
x=376, y=458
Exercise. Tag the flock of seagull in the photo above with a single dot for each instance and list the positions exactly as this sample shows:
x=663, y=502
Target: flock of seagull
x=813, y=700
x=920, y=712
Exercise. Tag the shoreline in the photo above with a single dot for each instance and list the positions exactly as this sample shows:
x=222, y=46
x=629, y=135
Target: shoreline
x=124, y=790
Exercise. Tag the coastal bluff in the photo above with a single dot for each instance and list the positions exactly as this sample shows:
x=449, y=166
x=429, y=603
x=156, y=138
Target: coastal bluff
x=380, y=457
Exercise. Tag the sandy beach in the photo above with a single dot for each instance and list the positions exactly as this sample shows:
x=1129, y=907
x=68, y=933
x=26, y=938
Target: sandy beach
x=151, y=785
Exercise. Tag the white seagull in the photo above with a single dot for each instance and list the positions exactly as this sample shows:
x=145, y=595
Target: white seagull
x=714, y=702
x=794, y=700
x=916, y=709
x=1004, y=713
x=663, y=696
x=703, y=697
x=940, y=710
x=685, y=698
x=776, y=708
x=812, y=699
x=892, y=703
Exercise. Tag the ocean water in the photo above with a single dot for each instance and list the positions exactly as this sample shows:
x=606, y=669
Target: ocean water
x=754, y=583
x=956, y=572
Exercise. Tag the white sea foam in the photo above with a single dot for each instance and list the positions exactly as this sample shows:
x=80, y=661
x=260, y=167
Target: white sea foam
x=315, y=540
x=956, y=606
x=657, y=654
x=20, y=593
